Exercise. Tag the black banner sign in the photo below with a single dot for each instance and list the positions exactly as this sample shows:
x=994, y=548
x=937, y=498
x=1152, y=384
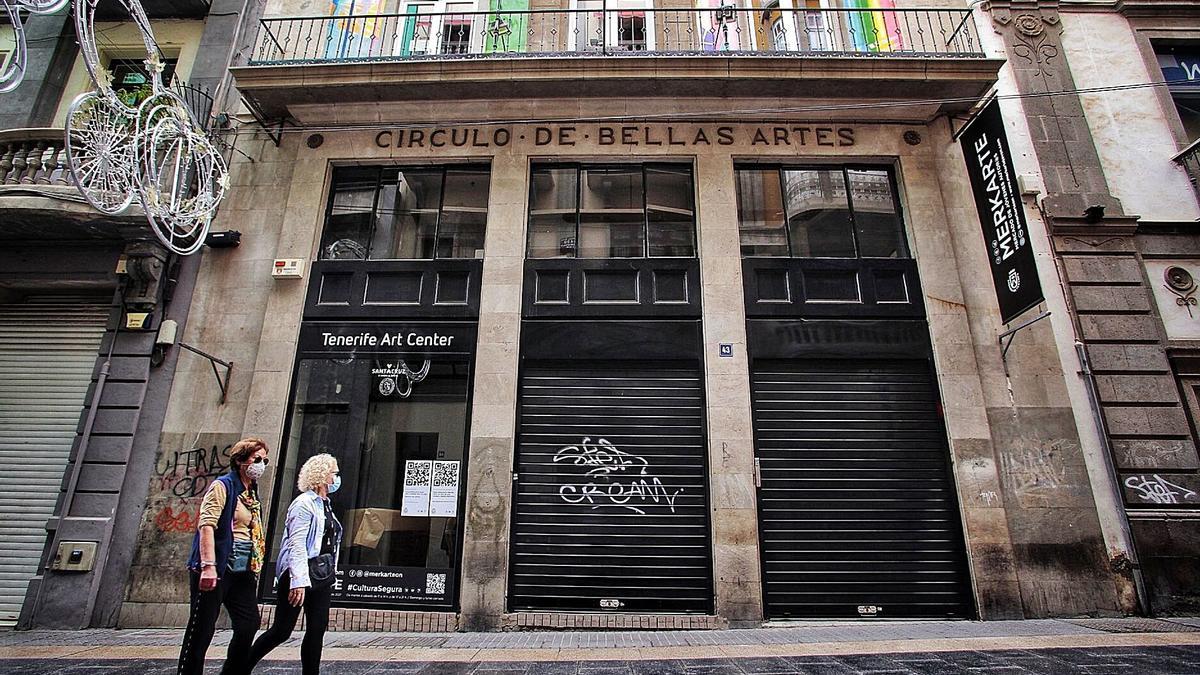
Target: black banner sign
x=994, y=183
x=422, y=338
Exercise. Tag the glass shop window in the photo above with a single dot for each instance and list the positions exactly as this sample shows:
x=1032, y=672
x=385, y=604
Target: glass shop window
x=400, y=448
x=615, y=211
x=819, y=212
x=390, y=213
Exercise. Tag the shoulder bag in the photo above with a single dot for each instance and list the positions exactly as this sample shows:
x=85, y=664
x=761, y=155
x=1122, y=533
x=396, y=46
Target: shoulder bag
x=322, y=569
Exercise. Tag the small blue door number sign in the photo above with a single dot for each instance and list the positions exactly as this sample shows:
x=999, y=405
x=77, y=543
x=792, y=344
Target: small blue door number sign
x=726, y=350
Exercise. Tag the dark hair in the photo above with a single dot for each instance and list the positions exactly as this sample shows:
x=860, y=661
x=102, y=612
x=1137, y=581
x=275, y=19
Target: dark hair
x=245, y=449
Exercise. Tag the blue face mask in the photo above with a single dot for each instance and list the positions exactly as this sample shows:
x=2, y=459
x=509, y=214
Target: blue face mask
x=336, y=484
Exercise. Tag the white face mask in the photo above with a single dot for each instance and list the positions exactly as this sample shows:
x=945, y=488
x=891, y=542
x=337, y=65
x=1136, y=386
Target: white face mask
x=255, y=470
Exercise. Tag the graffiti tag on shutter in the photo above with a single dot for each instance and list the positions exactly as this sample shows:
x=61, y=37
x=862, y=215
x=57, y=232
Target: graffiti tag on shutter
x=614, y=477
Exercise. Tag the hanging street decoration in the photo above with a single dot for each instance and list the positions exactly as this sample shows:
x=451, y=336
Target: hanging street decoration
x=153, y=151
x=120, y=150
x=15, y=71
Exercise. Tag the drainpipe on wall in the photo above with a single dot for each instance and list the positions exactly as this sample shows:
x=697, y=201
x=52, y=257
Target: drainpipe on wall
x=1135, y=565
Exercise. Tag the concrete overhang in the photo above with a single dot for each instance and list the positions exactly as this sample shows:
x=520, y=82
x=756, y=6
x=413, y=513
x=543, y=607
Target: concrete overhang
x=859, y=88
x=47, y=213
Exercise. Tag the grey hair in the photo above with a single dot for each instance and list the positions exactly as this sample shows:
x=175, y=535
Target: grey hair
x=315, y=472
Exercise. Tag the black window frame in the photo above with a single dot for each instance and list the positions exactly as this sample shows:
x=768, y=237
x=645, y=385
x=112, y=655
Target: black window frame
x=380, y=173
x=579, y=167
x=905, y=254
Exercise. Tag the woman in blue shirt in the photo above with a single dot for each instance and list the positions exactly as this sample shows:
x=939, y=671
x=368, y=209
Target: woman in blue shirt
x=311, y=530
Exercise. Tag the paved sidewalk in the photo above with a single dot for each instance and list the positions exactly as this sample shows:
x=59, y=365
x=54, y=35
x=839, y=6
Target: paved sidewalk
x=807, y=639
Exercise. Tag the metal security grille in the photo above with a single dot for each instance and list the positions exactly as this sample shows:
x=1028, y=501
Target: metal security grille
x=857, y=512
x=48, y=349
x=611, y=497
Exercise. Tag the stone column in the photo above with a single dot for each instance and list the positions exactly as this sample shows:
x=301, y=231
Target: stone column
x=494, y=409
x=736, y=569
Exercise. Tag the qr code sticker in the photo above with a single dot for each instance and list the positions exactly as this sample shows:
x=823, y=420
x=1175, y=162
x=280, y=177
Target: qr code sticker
x=445, y=474
x=435, y=584
x=417, y=473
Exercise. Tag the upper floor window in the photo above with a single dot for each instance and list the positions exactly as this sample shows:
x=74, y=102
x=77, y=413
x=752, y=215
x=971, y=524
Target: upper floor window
x=1180, y=65
x=818, y=212
x=612, y=211
x=388, y=213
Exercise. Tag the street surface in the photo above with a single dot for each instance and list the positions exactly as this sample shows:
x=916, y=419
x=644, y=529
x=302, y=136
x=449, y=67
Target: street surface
x=1046, y=647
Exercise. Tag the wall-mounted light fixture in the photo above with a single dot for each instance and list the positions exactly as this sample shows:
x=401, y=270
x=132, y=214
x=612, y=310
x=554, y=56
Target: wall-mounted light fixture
x=226, y=239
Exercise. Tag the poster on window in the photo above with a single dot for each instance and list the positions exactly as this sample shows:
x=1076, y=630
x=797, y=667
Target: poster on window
x=443, y=495
x=418, y=476
x=998, y=201
x=394, y=584
x=394, y=379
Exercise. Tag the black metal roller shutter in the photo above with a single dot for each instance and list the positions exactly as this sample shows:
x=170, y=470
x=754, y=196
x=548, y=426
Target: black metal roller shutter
x=858, y=514
x=611, y=498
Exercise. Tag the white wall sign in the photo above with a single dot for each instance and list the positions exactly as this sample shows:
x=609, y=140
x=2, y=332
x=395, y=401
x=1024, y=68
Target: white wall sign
x=418, y=476
x=443, y=496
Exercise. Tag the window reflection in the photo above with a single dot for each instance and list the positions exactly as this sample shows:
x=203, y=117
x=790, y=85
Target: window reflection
x=876, y=219
x=397, y=213
x=630, y=211
x=348, y=227
x=340, y=409
x=763, y=225
x=818, y=212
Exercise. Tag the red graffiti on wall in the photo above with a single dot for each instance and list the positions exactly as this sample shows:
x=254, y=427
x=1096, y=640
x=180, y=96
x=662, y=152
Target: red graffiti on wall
x=168, y=520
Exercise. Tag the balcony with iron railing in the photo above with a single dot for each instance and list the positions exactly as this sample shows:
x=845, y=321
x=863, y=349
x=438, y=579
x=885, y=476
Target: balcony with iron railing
x=726, y=31
x=725, y=52
x=1189, y=159
x=39, y=198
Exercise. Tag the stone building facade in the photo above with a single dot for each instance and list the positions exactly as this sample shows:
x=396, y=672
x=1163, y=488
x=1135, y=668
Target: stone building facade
x=608, y=328
x=83, y=386
x=653, y=315
x=1114, y=163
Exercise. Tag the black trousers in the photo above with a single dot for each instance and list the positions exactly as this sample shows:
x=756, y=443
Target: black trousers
x=316, y=620
x=238, y=592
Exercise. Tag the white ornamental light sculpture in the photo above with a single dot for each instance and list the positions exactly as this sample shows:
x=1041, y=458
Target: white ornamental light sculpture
x=15, y=71
x=153, y=152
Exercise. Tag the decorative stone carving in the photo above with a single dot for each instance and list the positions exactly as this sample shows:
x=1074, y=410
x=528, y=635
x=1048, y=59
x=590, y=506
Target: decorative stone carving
x=1028, y=37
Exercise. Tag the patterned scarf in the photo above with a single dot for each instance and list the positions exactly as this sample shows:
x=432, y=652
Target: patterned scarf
x=257, y=537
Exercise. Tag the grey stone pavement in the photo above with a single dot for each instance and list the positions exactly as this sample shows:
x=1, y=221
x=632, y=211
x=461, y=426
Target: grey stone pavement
x=1042, y=647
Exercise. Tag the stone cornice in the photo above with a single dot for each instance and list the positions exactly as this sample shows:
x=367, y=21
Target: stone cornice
x=1158, y=9
x=1153, y=9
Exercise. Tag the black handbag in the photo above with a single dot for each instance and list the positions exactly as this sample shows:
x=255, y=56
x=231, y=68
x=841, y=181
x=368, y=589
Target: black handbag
x=322, y=569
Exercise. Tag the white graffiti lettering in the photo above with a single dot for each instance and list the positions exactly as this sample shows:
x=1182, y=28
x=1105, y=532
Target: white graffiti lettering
x=1158, y=490
x=615, y=477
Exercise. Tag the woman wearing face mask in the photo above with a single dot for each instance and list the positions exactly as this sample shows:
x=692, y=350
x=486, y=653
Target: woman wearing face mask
x=307, y=563
x=227, y=554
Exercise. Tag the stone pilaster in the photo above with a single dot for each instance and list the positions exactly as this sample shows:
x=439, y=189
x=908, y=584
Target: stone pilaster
x=494, y=409
x=736, y=575
x=1074, y=179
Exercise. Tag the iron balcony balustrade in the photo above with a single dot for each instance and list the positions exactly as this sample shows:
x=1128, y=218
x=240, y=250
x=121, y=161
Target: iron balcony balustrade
x=1189, y=159
x=725, y=31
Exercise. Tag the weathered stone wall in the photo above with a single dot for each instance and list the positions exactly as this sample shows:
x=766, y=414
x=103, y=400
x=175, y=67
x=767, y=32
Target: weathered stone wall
x=1033, y=531
x=1135, y=144
x=1031, y=527
x=228, y=319
x=185, y=465
x=1101, y=149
